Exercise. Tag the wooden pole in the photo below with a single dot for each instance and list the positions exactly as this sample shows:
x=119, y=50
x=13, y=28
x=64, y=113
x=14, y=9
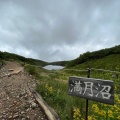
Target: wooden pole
x=88, y=75
x=86, y=109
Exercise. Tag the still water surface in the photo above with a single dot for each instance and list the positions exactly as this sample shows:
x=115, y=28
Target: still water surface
x=53, y=67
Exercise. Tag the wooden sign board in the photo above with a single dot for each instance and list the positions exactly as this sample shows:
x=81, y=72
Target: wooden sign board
x=93, y=89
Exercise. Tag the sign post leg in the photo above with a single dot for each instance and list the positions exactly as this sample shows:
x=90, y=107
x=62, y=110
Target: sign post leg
x=86, y=109
x=88, y=75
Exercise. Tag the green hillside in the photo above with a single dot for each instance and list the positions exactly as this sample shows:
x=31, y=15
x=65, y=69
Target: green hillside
x=105, y=59
x=13, y=57
x=10, y=56
x=111, y=62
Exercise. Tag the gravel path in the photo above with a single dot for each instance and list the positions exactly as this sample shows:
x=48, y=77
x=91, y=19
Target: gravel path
x=16, y=99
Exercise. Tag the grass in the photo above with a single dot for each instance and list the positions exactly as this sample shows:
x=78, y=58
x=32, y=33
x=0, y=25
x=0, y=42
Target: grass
x=110, y=62
x=53, y=86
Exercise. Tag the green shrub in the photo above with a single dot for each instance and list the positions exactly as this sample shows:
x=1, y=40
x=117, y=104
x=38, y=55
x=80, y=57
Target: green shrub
x=32, y=70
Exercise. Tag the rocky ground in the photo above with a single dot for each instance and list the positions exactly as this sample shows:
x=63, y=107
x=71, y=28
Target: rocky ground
x=16, y=99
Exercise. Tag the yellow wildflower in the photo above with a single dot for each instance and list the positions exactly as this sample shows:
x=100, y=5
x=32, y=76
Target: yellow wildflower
x=119, y=101
x=46, y=85
x=115, y=106
x=103, y=113
x=95, y=107
x=118, y=117
x=105, y=105
x=90, y=118
x=116, y=96
x=76, y=114
x=50, y=89
x=110, y=113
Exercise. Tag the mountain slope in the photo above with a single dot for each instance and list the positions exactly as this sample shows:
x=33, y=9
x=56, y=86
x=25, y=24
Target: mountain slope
x=14, y=57
x=93, y=57
x=111, y=62
x=10, y=56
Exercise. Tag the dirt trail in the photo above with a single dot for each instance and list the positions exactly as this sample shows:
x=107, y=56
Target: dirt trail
x=16, y=99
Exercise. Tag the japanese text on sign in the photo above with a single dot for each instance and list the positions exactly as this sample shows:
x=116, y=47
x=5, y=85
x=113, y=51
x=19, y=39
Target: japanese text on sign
x=94, y=89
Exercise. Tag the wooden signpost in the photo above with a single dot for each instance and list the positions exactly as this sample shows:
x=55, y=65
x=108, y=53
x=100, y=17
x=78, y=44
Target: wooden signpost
x=92, y=89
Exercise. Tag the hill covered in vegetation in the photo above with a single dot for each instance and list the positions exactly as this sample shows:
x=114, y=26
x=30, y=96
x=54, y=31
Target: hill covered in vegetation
x=13, y=57
x=106, y=58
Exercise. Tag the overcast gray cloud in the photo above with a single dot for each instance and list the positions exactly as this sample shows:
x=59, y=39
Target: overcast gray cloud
x=53, y=30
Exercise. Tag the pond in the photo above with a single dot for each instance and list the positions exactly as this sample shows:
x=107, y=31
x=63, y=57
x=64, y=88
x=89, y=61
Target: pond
x=53, y=67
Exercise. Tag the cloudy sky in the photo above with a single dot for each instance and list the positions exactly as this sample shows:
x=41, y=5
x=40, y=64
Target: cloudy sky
x=54, y=30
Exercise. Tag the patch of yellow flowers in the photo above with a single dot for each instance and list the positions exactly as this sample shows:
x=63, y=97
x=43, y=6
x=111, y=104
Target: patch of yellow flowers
x=101, y=112
x=48, y=88
x=76, y=114
x=112, y=112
